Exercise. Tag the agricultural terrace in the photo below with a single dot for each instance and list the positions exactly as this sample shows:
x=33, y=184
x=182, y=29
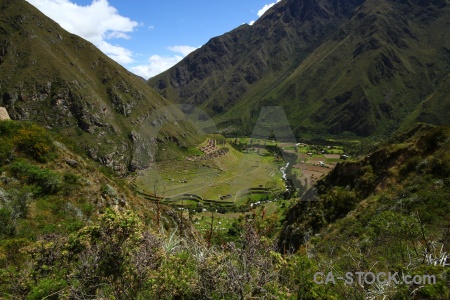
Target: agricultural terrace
x=222, y=179
x=217, y=172
x=312, y=162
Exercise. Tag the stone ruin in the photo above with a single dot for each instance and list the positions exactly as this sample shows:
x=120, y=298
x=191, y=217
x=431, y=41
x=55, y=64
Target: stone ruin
x=211, y=151
x=4, y=114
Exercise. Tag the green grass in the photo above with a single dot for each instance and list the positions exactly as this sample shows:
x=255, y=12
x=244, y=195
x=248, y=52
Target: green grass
x=242, y=177
x=296, y=172
x=224, y=222
x=211, y=179
x=85, y=96
x=335, y=151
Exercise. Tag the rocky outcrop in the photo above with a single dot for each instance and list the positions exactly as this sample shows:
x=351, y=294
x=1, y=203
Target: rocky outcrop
x=334, y=66
x=4, y=114
x=64, y=83
x=412, y=152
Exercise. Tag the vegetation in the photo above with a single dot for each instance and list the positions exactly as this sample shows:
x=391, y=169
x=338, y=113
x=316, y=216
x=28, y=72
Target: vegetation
x=62, y=82
x=388, y=211
x=56, y=244
x=71, y=229
x=385, y=67
x=119, y=258
x=230, y=174
x=43, y=200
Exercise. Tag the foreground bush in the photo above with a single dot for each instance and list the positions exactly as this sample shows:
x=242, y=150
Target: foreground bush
x=47, y=182
x=27, y=138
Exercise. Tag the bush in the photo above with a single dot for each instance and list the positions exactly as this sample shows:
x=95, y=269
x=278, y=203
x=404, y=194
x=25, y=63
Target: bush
x=88, y=209
x=7, y=227
x=6, y=151
x=25, y=137
x=48, y=182
x=9, y=128
x=367, y=180
x=339, y=202
x=47, y=288
x=35, y=142
x=71, y=178
x=13, y=206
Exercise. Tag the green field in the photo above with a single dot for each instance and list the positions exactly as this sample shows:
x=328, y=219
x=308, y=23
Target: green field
x=252, y=175
x=233, y=180
x=210, y=179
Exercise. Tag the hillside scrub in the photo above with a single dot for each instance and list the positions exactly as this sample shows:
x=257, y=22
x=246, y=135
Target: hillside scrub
x=27, y=139
x=59, y=241
x=118, y=257
x=388, y=211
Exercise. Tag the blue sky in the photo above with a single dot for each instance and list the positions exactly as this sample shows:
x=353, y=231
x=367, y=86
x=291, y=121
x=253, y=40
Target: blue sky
x=149, y=36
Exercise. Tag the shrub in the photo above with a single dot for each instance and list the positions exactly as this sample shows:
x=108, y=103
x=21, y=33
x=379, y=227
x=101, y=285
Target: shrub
x=6, y=151
x=339, y=202
x=70, y=178
x=8, y=128
x=13, y=206
x=88, y=209
x=367, y=180
x=47, y=288
x=48, y=182
x=35, y=142
x=25, y=137
x=7, y=227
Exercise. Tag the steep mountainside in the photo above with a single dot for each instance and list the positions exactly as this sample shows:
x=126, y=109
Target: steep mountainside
x=366, y=67
x=65, y=83
x=45, y=187
x=387, y=212
x=408, y=175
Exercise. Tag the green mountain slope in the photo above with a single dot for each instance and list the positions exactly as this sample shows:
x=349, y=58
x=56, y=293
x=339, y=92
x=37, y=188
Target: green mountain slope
x=48, y=193
x=407, y=174
x=387, y=211
x=46, y=188
x=65, y=83
x=334, y=66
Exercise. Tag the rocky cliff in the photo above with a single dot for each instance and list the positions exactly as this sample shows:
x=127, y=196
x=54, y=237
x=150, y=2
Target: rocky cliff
x=405, y=173
x=65, y=83
x=363, y=67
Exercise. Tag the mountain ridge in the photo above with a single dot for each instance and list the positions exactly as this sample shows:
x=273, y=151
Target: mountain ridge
x=64, y=82
x=357, y=68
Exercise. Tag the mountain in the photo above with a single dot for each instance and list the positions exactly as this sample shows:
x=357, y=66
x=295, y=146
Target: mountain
x=65, y=83
x=361, y=67
x=405, y=177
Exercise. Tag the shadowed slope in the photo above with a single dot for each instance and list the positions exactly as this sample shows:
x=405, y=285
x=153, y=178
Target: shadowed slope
x=334, y=66
x=63, y=82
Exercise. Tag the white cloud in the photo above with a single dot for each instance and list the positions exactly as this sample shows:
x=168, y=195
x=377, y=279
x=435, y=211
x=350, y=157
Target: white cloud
x=117, y=35
x=185, y=50
x=263, y=10
x=266, y=8
x=158, y=64
x=97, y=23
x=119, y=54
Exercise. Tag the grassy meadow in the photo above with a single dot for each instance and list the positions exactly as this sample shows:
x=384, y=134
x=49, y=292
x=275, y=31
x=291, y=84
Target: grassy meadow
x=210, y=179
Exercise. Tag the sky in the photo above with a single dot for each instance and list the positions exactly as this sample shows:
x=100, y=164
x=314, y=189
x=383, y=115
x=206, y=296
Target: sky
x=149, y=36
